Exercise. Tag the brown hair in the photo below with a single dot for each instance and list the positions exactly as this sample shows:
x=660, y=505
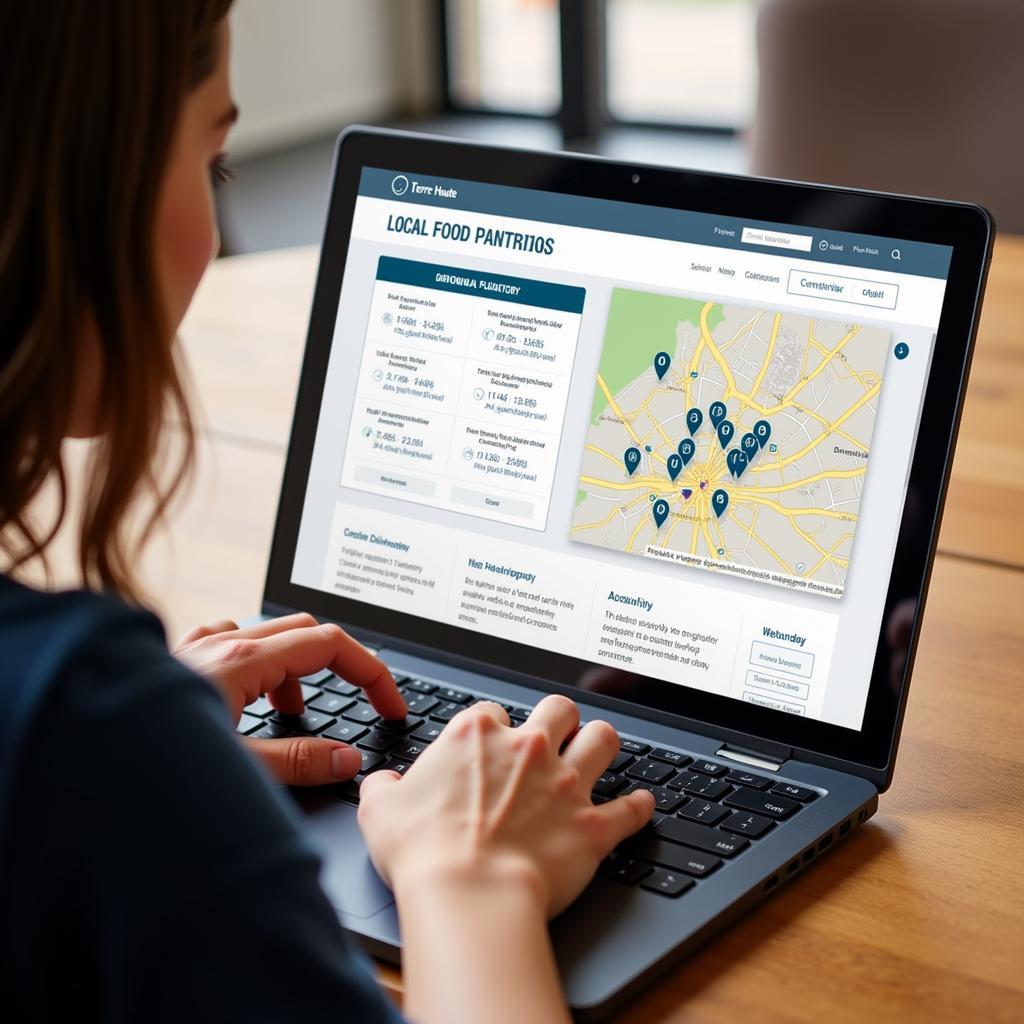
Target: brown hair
x=90, y=95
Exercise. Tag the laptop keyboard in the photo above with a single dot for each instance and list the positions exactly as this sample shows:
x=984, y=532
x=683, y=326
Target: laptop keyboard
x=706, y=813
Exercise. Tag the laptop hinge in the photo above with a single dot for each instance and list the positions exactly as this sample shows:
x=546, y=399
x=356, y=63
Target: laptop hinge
x=755, y=758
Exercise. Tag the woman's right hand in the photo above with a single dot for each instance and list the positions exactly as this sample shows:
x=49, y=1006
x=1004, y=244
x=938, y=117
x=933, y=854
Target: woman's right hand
x=490, y=805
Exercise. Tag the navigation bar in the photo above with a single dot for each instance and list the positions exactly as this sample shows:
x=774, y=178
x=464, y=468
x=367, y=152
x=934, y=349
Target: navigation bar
x=826, y=246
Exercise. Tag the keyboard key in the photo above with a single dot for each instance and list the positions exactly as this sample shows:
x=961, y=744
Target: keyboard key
x=316, y=679
x=347, y=791
x=649, y=771
x=248, y=724
x=633, y=746
x=703, y=811
x=707, y=767
x=665, y=800
x=701, y=785
x=700, y=837
x=668, y=883
x=339, y=686
x=454, y=696
x=274, y=731
x=747, y=779
x=518, y=715
x=420, y=686
x=309, y=692
x=762, y=803
x=607, y=784
x=361, y=713
x=427, y=732
x=672, y=757
x=744, y=824
x=309, y=722
x=794, y=792
x=379, y=739
x=420, y=703
x=371, y=760
x=624, y=869
x=647, y=846
x=446, y=712
x=347, y=732
x=331, y=703
x=260, y=708
x=622, y=760
x=409, y=750
x=400, y=725
x=397, y=766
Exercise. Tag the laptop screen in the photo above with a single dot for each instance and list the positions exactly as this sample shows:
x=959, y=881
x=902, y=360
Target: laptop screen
x=664, y=442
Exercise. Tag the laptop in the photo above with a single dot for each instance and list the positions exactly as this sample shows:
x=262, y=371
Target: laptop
x=673, y=444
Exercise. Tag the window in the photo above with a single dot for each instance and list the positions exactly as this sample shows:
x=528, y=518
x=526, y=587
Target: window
x=503, y=55
x=682, y=61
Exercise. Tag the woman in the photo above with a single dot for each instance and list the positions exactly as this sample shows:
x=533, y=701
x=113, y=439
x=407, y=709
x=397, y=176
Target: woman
x=148, y=871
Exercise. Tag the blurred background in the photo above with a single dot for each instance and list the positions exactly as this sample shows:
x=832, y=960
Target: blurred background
x=921, y=96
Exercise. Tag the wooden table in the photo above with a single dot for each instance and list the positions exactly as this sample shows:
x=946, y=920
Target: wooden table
x=920, y=915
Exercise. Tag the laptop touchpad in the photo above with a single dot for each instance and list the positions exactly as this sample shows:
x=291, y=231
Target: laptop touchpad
x=348, y=877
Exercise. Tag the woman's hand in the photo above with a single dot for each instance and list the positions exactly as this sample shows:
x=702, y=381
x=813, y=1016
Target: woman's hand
x=268, y=659
x=488, y=834
x=486, y=801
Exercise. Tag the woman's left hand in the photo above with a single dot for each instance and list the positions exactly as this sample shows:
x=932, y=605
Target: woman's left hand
x=269, y=658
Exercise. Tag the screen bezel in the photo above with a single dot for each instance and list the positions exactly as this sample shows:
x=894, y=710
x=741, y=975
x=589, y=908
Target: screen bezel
x=966, y=228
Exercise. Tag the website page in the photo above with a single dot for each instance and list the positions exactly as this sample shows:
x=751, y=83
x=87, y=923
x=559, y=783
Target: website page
x=668, y=442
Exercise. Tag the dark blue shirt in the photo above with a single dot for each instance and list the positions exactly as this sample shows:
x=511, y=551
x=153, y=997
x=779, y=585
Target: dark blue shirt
x=148, y=869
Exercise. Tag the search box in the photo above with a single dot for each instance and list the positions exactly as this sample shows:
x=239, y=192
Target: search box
x=776, y=239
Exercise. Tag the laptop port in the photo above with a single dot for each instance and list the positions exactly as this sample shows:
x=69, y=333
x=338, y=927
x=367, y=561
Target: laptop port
x=845, y=827
x=771, y=883
x=825, y=843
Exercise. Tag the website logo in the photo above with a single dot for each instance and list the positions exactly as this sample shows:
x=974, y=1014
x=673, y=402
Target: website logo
x=400, y=185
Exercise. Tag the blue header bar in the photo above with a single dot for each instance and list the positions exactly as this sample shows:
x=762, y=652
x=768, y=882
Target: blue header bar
x=794, y=241
x=563, y=297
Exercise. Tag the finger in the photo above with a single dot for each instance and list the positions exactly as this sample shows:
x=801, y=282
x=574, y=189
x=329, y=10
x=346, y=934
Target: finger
x=307, y=760
x=557, y=716
x=374, y=781
x=591, y=750
x=287, y=698
x=623, y=816
x=490, y=708
x=264, y=664
x=300, y=620
x=198, y=632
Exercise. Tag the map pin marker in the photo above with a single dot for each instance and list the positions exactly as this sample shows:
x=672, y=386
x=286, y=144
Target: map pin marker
x=675, y=464
x=660, y=510
x=631, y=459
x=741, y=463
x=750, y=446
x=720, y=502
x=717, y=413
x=661, y=363
x=694, y=418
x=762, y=431
x=725, y=432
x=731, y=461
x=686, y=450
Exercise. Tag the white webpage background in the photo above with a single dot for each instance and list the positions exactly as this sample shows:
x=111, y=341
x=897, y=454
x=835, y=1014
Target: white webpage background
x=662, y=268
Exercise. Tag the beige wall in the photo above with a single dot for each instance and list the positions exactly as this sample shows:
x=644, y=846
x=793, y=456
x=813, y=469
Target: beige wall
x=304, y=68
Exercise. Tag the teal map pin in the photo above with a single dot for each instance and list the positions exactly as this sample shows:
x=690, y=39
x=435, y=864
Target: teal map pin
x=720, y=502
x=660, y=510
x=631, y=459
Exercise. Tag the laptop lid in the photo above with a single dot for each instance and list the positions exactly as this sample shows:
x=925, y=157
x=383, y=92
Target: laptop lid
x=677, y=440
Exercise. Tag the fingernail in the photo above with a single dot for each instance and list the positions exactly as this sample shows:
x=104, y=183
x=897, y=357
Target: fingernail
x=345, y=762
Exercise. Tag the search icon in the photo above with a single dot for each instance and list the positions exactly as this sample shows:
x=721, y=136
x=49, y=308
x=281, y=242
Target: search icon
x=896, y=255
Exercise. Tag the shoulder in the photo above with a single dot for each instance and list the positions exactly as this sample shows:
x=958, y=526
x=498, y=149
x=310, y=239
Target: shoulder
x=87, y=653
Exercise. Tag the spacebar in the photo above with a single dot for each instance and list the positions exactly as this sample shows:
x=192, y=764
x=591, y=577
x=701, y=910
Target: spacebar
x=700, y=837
